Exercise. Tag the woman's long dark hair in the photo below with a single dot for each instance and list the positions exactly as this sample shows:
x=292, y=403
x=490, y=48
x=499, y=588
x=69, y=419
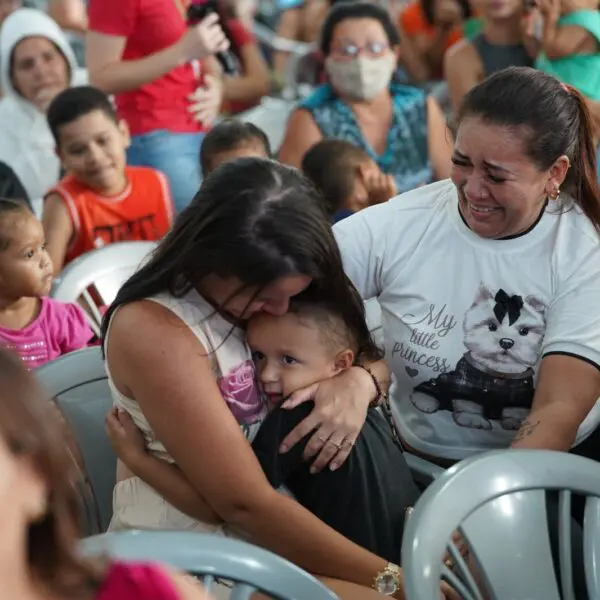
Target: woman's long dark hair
x=555, y=120
x=253, y=219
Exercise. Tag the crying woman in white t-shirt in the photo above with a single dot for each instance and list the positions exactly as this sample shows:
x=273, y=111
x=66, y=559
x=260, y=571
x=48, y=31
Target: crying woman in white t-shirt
x=489, y=284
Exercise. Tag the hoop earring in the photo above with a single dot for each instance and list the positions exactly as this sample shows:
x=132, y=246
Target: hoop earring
x=555, y=194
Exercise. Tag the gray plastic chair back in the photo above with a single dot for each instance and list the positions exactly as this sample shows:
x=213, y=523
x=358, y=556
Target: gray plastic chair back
x=97, y=276
x=79, y=385
x=209, y=557
x=497, y=501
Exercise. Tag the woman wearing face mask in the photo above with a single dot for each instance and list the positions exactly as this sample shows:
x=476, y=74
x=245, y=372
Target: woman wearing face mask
x=402, y=129
x=36, y=64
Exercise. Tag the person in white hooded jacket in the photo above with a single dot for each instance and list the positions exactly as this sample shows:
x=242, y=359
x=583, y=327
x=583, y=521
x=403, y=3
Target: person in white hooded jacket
x=36, y=64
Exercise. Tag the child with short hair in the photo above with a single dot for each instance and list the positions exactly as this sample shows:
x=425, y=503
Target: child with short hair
x=101, y=200
x=348, y=179
x=34, y=326
x=232, y=139
x=310, y=343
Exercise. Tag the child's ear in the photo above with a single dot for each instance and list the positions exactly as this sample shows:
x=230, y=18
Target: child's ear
x=343, y=361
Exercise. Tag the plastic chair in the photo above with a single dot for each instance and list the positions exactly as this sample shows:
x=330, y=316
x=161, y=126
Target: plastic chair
x=79, y=385
x=498, y=502
x=97, y=276
x=249, y=567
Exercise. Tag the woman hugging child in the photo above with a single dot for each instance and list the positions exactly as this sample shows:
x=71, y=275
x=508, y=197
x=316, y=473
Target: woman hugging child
x=310, y=343
x=34, y=326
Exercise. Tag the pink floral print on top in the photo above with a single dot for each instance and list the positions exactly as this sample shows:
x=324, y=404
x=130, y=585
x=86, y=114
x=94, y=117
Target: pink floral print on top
x=239, y=388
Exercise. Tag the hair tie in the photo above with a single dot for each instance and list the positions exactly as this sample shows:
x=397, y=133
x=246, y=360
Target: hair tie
x=565, y=87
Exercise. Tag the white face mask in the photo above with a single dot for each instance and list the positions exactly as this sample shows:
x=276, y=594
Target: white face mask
x=361, y=78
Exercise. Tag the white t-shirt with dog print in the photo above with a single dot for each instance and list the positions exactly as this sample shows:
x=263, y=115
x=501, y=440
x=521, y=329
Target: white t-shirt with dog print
x=466, y=320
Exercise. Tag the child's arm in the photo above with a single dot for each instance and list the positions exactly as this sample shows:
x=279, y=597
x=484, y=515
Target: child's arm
x=74, y=332
x=566, y=40
x=58, y=229
x=165, y=478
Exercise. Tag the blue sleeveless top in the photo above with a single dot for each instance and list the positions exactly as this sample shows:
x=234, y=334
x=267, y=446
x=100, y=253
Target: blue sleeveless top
x=406, y=156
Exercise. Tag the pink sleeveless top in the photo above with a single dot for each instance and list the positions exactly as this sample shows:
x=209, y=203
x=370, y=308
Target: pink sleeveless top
x=136, y=581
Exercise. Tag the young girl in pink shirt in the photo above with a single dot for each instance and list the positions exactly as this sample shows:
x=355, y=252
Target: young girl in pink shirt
x=34, y=326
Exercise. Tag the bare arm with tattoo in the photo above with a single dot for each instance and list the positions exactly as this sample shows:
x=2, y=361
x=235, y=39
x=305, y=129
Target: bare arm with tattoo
x=567, y=390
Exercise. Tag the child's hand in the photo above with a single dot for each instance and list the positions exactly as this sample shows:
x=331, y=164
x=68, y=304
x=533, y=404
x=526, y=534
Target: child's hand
x=380, y=187
x=549, y=9
x=126, y=439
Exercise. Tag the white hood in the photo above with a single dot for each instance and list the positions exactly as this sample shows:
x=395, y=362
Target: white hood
x=25, y=140
x=24, y=23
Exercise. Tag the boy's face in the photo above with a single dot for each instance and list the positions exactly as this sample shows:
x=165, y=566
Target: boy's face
x=290, y=354
x=250, y=150
x=92, y=148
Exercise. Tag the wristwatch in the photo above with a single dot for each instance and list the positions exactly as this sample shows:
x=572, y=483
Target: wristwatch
x=389, y=581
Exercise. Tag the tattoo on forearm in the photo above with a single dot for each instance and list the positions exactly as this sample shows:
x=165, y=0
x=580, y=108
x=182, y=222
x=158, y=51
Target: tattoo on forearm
x=526, y=429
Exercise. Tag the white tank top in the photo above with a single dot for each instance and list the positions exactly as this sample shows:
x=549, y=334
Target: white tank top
x=231, y=364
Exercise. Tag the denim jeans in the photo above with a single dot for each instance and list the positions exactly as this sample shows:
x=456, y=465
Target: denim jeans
x=177, y=155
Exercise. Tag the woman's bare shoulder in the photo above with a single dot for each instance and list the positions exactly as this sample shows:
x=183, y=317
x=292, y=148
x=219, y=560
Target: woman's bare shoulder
x=145, y=333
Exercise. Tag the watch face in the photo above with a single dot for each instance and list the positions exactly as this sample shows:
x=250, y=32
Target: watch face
x=387, y=584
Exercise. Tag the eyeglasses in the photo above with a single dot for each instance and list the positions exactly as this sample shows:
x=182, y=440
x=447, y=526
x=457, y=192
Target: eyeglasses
x=353, y=50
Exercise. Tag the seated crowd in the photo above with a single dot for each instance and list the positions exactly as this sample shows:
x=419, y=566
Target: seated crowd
x=251, y=398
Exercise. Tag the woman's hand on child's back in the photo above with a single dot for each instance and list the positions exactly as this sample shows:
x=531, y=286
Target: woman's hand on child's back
x=125, y=437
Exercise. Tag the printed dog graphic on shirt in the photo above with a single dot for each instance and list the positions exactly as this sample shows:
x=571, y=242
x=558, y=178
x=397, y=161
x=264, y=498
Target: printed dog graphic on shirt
x=493, y=381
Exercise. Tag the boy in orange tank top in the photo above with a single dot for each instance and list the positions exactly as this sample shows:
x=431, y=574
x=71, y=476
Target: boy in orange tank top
x=101, y=200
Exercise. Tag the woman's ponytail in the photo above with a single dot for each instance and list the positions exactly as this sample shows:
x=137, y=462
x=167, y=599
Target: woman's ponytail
x=583, y=174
